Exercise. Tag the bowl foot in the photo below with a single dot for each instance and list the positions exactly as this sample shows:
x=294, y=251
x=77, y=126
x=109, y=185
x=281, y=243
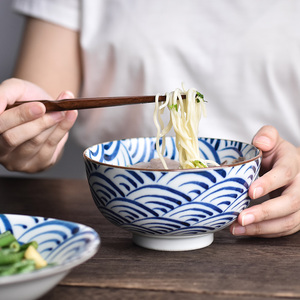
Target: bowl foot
x=172, y=243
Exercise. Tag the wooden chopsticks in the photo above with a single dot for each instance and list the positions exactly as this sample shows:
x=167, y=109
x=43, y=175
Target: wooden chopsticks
x=86, y=103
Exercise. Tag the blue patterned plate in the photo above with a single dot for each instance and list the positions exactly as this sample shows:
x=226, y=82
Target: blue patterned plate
x=66, y=244
x=171, y=209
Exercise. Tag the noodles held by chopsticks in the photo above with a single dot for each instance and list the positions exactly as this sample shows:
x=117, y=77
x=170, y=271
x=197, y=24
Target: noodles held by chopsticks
x=185, y=115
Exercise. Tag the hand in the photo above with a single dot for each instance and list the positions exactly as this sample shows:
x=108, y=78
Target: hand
x=31, y=140
x=280, y=215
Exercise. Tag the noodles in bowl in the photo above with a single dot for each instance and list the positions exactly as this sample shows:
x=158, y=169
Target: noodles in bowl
x=174, y=209
x=178, y=208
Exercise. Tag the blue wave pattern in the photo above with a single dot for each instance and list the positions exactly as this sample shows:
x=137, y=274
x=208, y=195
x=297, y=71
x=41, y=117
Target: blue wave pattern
x=59, y=241
x=170, y=202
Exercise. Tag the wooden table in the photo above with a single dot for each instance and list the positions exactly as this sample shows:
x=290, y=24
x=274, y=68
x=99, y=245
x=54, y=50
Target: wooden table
x=231, y=268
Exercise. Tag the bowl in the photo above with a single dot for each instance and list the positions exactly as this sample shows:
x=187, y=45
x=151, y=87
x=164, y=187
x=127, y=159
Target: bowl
x=65, y=244
x=171, y=210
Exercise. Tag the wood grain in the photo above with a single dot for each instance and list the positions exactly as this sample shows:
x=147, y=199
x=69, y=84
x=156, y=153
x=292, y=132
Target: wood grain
x=231, y=268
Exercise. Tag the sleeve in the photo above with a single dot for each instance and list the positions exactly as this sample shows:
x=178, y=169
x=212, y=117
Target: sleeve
x=65, y=13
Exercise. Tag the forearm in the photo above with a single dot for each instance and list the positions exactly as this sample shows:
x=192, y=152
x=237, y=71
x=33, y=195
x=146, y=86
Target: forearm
x=50, y=57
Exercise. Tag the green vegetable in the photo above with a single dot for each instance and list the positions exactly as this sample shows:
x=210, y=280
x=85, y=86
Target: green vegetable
x=15, y=246
x=6, y=238
x=199, y=164
x=23, y=266
x=8, y=256
x=16, y=258
x=199, y=97
x=33, y=243
x=173, y=106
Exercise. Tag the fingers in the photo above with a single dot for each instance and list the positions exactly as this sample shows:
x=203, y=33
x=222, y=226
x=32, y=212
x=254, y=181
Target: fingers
x=279, y=162
x=281, y=215
x=13, y=137
x=31, y=139
x=42, y=150
x=55, y=142
x=48, y=146
x=282, y=174
x=19, y=115
x=266, y=138
x=21, y=123
x=269, y=229
x=10, y=91
x=13, y=89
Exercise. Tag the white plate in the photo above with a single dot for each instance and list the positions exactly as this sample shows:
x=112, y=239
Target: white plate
x=66, y=244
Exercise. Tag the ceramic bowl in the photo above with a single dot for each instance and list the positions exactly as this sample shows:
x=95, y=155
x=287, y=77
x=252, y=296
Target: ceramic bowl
x=65, y=244
x=172, y=210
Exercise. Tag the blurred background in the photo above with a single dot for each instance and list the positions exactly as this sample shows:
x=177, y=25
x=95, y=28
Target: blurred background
x=11, y=27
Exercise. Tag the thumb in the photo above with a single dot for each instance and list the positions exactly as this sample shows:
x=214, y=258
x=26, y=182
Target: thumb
x=266, y=138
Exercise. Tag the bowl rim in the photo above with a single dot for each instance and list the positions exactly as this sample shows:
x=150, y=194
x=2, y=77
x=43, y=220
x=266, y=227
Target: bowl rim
x=258, y=156
x=55, y=269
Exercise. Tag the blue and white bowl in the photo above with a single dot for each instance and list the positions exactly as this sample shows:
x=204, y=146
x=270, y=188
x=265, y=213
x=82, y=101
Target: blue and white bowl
x=65, y=244
x=172, y=210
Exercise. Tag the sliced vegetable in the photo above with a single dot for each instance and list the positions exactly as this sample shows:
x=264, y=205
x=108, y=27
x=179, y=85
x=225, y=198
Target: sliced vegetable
x=16, y=258
x=199, y=164
x=32, y=254
x=199, y=97
x=6, y=238
x=175, y=106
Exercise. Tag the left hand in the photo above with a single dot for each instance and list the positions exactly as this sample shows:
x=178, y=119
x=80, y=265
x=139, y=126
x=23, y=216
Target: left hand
x=280, y=177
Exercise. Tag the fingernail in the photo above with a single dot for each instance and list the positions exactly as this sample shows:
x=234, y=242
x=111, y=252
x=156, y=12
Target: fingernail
x=57, y=115
x=258, y=192
x=248, y=219
x=69, y=94
x=36, y=110
x=263, y=140
x=238, y=230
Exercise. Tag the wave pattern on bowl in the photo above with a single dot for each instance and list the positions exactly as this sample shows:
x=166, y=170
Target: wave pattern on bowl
x=152, y=202
x=59, y=241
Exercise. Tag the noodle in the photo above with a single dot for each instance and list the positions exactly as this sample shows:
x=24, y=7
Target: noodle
x=185, y=115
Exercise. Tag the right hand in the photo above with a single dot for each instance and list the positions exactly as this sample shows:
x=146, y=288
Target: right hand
x=31, y=140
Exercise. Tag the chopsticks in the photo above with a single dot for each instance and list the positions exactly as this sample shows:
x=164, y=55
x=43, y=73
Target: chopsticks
x=86, y=103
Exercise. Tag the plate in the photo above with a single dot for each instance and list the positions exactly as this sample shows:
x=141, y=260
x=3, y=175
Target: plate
x=63, y=243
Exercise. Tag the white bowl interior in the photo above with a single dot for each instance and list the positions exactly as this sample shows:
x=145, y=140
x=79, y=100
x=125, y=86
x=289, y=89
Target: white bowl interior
x=132, y=151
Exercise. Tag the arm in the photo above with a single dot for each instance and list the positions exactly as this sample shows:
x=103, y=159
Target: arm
x=280, y=178
x=50, y=57
x=49, y=63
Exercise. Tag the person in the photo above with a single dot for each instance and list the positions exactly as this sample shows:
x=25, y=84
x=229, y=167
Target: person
x=242, y=55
